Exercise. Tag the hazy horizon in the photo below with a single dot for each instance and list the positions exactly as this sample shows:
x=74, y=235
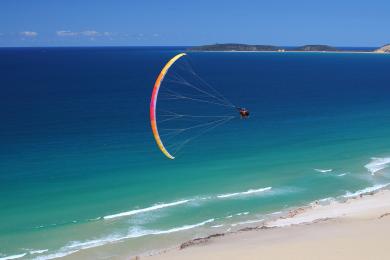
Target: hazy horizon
x=185, y=23
x=181, y=46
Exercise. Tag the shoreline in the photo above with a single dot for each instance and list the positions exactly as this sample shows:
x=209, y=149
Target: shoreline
x=361, y=211
x=347, y=207
x=279, y=220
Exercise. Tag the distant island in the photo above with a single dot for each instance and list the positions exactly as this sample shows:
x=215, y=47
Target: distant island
x=315, y=48
x=235, y=47
x=272, y=48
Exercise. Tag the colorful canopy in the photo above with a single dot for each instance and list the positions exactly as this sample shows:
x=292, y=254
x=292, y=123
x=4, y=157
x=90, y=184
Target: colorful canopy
x=153, y=103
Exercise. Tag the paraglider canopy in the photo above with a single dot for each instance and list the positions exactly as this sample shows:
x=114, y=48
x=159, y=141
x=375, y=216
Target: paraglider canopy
x=153, y=103
x=183, y=106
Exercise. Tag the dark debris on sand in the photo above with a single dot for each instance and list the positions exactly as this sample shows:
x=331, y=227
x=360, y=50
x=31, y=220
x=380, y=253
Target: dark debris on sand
x=200, y=240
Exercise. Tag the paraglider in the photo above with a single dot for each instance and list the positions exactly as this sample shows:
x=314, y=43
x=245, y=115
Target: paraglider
x=244, y=113
x=186, y=87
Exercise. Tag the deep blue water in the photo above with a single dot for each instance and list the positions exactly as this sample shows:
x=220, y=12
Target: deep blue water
x=76, y=144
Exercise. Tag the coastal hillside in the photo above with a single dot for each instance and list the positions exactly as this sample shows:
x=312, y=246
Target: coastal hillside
x=235, y=47
x=384, y=49
x=248, y=47
x=315, y=48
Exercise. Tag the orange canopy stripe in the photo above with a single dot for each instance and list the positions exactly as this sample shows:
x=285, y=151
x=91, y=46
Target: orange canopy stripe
x=153, y=104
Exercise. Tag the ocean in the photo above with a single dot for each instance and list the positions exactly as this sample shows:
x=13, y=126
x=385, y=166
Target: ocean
x=81, y=174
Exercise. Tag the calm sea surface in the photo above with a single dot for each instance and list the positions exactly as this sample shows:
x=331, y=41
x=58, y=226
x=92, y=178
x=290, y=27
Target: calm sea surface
x=79, y=167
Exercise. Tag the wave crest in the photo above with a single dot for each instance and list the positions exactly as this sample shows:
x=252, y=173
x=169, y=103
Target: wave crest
x=251, y=191
x=323, y=170
x=76, y=246
x=13, y=257
x=137, y=211
x=366, y=190
x=377, y=164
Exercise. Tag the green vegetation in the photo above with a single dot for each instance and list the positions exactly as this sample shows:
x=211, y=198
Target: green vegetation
x=235, y=47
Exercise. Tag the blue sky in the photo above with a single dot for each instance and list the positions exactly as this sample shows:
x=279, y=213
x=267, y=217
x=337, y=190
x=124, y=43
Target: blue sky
x=185, y=22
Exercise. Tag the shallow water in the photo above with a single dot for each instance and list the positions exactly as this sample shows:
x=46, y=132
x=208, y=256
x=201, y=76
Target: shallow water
x=79, y=167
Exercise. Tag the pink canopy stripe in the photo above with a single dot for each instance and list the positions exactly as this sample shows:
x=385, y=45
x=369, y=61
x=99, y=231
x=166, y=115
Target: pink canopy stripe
x=153, y=103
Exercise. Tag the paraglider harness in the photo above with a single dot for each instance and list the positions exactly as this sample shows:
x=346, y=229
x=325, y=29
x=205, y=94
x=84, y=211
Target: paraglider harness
x=244, y=113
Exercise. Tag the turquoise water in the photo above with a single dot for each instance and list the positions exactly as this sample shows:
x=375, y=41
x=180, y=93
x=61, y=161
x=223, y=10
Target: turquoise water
x=77, y=149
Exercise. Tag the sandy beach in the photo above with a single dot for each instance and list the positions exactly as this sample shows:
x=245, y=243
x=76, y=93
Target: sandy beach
x=355, y=229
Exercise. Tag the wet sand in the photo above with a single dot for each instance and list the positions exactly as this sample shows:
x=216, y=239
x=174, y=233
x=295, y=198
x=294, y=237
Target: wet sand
x=356, y=229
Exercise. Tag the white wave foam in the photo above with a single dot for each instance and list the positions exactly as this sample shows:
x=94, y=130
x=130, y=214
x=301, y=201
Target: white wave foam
x=13, y=257
x=247, y=222
x=55, y=255
x=276, y=213
x=33, y=252
x=251, y=191
x=242, y=213
x=321, y=202
x=341, y=174
x=366, y=190
x=217, y=226
x=95, y=219
x=140, y=233
x=323, y=170
x=184, y=227
x=137, y=211
x=377, y=164
x=76, y=246
x=89, y=244
x=326, y=199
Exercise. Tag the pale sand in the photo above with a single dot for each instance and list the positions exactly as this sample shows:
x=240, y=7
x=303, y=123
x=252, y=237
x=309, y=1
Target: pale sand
x=356, y=229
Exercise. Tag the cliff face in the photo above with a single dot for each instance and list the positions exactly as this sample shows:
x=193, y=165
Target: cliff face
x=384, y=49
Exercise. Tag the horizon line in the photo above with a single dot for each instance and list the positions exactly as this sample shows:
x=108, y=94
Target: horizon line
x=161, y=46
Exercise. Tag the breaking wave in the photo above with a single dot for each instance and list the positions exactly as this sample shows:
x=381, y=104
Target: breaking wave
x=76, y=246
x=247, y=222
x=183, y=227
x=366, y=190
x=33, y=252
x=137, y=211
x=13, y=256
x=217, y=226
x=377, y=164
x=244, y=193
x=184, y=201
x=323, y=170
